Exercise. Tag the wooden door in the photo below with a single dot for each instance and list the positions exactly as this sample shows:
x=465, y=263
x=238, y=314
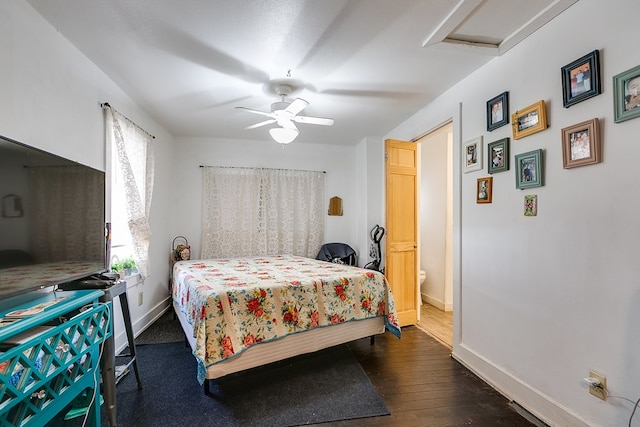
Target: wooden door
x=401, y=262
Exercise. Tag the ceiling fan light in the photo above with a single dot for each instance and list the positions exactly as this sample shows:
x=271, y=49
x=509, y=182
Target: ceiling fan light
x=284, y=135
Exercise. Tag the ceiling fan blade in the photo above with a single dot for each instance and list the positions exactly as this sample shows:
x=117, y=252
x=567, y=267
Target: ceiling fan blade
x=313, y=120
x=296, y=106
x=251, y=110
x=257, y=125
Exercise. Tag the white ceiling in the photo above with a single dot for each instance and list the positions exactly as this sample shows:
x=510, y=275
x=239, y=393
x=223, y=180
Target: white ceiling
x=369, y=64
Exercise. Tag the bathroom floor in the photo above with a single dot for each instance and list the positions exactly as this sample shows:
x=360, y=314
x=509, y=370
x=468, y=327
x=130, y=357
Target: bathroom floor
x=437, y=323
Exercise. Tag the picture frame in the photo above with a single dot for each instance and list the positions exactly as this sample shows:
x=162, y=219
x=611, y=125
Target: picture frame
x=472, y=155
x=498, y=156
x=529, y=169
x=581, y=79
x=529, y=120
x=581, y=144
x=484, y=189
x=531, y=205
x=498, y=111
x=626, y=95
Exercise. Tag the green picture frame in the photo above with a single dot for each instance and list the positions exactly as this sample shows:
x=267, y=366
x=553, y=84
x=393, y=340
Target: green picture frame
x=498, y=156
x=626, y=101
x=529, y=169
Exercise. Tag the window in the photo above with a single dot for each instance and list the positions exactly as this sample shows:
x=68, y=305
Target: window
x=251, y=212
x=121, y=240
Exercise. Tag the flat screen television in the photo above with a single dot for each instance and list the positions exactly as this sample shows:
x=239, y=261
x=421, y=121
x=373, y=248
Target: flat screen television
x=52, y=221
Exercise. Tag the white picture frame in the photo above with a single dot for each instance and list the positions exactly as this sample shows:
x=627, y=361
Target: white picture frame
x=472, y=155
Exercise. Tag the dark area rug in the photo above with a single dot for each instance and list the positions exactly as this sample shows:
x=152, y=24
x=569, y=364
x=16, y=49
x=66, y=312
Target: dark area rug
x=325, y=386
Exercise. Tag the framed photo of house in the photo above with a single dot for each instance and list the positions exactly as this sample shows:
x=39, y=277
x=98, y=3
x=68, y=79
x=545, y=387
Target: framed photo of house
x=529, y=169
x=626, y=95
x=581, y=79
x=498, y=111
x=484, y=190
x=472, y=155
x=529, y=120
x=498, y=156
x=581, y=144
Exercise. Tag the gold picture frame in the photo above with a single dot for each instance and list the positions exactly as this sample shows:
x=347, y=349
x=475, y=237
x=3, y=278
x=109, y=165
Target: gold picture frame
x=581, y=144
x=529, y=120
x=484, y=189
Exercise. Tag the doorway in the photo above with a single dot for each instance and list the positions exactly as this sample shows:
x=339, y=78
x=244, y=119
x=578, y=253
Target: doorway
x=436, y=233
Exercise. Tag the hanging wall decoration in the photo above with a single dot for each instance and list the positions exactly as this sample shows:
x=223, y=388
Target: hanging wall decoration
x=581, y=79
x=529, y=120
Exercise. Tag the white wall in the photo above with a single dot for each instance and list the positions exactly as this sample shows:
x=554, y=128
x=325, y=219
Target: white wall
x=50, y=99
x=545, y=299
x=374, y=214
x=434, y=215
x=339, y=163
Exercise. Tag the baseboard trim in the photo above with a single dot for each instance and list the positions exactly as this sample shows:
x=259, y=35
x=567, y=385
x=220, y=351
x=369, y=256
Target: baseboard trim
x=532, y=400
x=142, y=323
x=426, y=299
x=432, y=301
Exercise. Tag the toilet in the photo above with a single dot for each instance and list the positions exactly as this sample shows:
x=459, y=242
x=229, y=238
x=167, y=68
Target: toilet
x=423, y=292
x=423, y=277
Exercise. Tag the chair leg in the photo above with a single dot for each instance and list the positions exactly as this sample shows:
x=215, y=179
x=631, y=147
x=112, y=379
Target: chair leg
x=372, y=339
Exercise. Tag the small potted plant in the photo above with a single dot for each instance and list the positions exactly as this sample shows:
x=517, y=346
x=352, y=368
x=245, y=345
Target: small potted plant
x=129, y=266
x=117, y=266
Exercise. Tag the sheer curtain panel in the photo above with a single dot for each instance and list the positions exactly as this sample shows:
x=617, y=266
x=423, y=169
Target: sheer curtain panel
x=131, y=147
x=253, y=212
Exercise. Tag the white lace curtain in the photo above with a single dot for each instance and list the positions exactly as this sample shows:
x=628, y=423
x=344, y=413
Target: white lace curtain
x=65, y=228
x=131, y=147
x=253, y=212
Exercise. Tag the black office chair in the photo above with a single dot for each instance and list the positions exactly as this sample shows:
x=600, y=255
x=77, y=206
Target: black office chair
x=340, y=253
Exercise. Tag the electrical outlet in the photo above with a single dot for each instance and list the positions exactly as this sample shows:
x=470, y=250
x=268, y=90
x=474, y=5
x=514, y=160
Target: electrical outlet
x=139, y=298
x=599, y=391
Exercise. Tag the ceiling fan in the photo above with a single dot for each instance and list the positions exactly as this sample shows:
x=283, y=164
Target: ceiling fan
x=285, y=114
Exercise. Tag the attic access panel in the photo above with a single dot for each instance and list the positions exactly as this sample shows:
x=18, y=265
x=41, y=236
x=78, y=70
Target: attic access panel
x=492, y=27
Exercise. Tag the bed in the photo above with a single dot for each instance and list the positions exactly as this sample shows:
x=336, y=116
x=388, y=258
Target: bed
x=240, y=313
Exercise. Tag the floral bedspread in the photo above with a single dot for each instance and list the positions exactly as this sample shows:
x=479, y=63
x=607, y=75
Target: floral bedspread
x=233, y=304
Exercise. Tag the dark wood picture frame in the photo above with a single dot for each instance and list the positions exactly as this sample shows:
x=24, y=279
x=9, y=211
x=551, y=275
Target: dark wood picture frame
x=498, y=156
x=626, y=95
x=529, y=120
x=581, y=79
x=529, y=169
x=498, y=111
x=581, y=144
x=484, y=190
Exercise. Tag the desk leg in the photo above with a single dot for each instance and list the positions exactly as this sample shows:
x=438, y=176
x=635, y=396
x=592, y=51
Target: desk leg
x=124, y=304
x=107, y=365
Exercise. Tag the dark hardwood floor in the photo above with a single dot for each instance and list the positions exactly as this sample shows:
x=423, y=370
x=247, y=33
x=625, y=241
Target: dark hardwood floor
x=423, y=385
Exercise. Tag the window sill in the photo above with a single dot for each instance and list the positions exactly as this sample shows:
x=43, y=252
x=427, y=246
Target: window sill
x=132, y=280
